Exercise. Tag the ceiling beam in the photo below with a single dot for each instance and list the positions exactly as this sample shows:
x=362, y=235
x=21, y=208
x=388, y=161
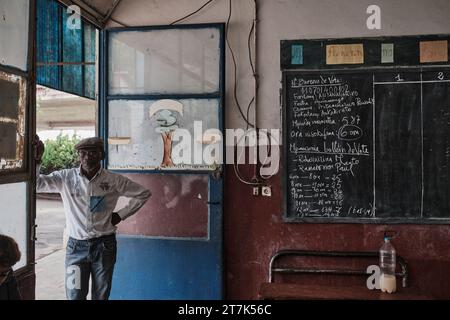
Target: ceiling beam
x=88, y=12
x=111, y=11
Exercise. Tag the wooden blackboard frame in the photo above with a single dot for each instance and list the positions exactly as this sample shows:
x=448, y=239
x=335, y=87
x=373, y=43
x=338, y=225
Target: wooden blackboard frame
x=285, y=180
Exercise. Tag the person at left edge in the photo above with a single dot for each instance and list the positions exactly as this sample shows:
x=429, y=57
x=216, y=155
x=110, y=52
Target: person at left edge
x=89, y=195
x=9, y=256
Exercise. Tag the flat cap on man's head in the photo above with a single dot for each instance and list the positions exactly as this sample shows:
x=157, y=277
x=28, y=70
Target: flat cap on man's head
x=90, y=143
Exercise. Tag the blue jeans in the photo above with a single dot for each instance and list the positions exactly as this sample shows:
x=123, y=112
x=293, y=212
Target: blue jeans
x=84, y=258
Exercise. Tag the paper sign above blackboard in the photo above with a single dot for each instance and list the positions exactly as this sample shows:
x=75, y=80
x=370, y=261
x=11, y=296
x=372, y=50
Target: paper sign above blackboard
x=433, y=51
x=364, y=52
x=345, y=53
x=297, y=54
x=387, y=53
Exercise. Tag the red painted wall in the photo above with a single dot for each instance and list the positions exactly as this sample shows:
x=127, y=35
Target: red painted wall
x=254, y=231
x=177, y=208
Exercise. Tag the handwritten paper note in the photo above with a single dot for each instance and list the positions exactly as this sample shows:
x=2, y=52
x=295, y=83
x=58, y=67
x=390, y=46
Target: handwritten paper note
x=297, y=54
x=387, y=53
x=345, y=53
x=434, y=51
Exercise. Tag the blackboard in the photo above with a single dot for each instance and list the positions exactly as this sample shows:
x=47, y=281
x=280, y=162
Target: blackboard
x=367, y=145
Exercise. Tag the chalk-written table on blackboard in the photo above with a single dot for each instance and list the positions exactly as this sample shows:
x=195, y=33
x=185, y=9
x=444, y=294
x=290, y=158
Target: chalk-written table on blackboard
x=367, y=145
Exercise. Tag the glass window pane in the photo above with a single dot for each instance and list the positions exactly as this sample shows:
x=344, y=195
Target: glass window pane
x=179, y=207
x=14, y=16
x=173, y=61
x=47, y=43
x=164, y=134
x=65, y=50
x=12, y=121
x=90, y=57
x=72, y=80
x=13, y=216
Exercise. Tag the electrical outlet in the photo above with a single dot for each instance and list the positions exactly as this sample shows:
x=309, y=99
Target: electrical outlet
x=256, y=191
x=266, y=191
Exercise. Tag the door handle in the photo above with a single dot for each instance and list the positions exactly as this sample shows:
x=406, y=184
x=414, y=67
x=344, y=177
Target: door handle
x=33, y=233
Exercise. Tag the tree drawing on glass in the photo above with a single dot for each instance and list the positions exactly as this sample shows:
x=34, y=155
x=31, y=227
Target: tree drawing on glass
x=165, y=111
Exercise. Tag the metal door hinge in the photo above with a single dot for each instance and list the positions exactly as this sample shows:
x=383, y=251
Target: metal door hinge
x=33, y=232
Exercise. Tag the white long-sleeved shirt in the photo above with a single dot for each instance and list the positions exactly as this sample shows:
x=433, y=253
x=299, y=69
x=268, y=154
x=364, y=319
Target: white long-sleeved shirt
x=88, y=205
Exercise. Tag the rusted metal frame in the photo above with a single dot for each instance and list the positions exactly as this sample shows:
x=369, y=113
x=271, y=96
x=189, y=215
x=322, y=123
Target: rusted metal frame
x=39, y=64
x=19, y=162
x=344, y=254
x=28, y=175
x=14, y=177
x=321, y=271
x=59, y=124
x=31, y=164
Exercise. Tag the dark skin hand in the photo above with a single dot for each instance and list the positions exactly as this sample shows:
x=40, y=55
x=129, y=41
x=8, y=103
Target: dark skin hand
x=90, y=159
x=115, y=220
x=38, y=149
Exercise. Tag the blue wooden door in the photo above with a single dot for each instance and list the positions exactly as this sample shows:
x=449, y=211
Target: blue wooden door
x=161, y=115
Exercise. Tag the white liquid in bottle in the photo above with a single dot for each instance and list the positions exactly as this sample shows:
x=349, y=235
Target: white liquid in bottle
x=387, y=266
x=388, y=283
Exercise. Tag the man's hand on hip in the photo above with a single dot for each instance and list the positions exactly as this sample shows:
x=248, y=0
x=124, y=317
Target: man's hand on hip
x=115, y=219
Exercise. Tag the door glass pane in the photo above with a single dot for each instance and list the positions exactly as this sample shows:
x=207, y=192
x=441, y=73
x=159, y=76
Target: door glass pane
x=13, y=216
x=12, y=121
x=14, y=25
x=48, y=30
x=173, y=61
x=72, y=80
x=178, y=207
x=164, y=134
x=90, y=57
x=66, y=50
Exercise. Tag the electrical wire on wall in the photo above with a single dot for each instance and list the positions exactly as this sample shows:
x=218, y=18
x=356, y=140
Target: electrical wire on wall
x=257, y=179
x=255, y=76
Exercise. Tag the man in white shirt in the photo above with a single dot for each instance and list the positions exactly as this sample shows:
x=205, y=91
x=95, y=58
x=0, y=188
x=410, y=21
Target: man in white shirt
x=89, y=195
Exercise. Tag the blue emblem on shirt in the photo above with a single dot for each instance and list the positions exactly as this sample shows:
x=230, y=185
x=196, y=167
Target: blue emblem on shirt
x=97, y=204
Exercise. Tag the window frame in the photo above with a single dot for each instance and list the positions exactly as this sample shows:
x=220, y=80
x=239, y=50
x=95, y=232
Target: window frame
x=106, y=97
x=27, y=173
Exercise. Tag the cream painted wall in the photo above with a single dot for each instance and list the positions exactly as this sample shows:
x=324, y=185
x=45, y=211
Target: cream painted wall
x=286, y=19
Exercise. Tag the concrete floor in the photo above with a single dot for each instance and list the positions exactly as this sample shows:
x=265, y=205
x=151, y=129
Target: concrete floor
x=50, y=277
x=50, y=222
x=50, y=252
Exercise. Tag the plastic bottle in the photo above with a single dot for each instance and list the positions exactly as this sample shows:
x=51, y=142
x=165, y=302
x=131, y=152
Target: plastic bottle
x=387, y=266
